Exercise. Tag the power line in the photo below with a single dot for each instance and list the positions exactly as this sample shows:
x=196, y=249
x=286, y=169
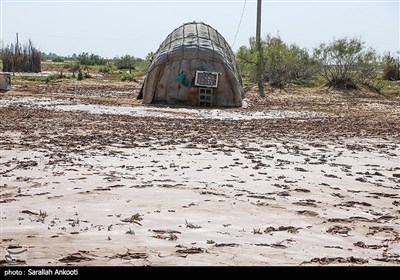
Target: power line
x=240, y=22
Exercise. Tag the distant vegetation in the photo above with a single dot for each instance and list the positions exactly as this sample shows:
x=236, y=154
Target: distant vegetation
x=344, y=63
x=86, y=65
x=58, y=59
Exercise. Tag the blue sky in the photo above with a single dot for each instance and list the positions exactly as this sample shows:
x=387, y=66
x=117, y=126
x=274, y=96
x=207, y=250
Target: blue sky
x=115, y=28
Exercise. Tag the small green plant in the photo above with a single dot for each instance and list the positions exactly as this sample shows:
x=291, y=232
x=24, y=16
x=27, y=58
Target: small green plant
x=210, y=242
x=391, y=88
x=104, y=69
x=73, y=67
x=80, y=76
x=305, y=83
x=127, y=77
x=56, y=76
x=375, y=85
x=130, y=232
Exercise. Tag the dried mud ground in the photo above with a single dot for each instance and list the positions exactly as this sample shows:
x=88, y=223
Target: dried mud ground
x=106, y=189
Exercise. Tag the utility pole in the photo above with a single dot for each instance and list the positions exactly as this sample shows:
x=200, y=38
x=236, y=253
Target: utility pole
x=260, y=63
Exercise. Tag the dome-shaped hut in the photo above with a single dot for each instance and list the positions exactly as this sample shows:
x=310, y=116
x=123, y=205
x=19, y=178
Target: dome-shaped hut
x=193, y=66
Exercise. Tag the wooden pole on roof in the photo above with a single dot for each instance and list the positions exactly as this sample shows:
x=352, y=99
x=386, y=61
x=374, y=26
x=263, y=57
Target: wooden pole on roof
x=259, y=51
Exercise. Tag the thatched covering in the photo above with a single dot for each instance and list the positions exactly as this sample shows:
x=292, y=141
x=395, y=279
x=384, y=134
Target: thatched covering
x=192, y=47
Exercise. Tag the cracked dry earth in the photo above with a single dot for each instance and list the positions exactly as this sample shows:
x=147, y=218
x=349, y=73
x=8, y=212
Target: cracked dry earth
x=92, y=189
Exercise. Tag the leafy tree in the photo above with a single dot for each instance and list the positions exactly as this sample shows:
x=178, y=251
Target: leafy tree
x=127, y=62
x=90, y=59
x=285, y=63
x=74, y=67
x=282, y=63
x=346, y=62
x=247, y=60
x=149, y=57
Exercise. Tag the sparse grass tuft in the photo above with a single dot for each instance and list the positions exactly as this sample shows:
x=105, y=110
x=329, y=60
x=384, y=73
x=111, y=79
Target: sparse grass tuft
x=190, y=225
x=135, y=218
x=390, y=88
x=42, y=216
x=305, y=83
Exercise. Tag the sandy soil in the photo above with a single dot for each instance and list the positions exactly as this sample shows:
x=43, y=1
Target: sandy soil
x=125, y=189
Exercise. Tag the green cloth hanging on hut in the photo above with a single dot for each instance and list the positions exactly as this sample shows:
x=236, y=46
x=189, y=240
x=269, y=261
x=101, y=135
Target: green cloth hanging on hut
x=182, y=79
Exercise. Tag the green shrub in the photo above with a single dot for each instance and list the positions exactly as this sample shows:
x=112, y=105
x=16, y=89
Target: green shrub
x=128, y=77
x=127, y=62
x=346, y=62
x=56, y=76
x=32, y=78
x=375, y=85
x=305, y=83
x=58, y=59
x=391, y=68
x=91, y=59
x=282, y=63
x=73, y=67
x=104, y=69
